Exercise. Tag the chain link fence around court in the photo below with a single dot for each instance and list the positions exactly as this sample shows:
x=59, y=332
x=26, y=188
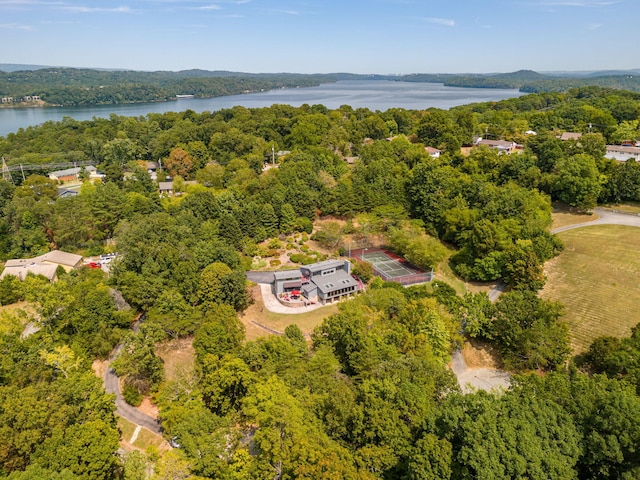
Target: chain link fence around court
x=391, y=267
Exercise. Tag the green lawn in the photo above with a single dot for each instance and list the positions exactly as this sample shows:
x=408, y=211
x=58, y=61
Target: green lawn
x=145, y=437
x=279, y=321
x=597, y=279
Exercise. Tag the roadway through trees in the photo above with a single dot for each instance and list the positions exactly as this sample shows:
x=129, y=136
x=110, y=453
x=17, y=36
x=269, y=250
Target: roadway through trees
x=126, y=411
x=488, y=379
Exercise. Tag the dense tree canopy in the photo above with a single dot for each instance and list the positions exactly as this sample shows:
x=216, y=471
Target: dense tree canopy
x=367, y=395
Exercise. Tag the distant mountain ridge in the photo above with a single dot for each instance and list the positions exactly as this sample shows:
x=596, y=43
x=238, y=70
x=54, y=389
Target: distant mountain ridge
x=527, y=75
x=86, y=86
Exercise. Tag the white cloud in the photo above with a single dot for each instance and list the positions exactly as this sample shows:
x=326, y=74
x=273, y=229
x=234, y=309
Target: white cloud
x=85, y=9
x=576, y=3
x=209, y=7
x=14, y=26
x=441, y=21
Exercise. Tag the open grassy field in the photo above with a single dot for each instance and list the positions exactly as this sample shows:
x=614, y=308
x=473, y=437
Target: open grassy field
x=596, y=278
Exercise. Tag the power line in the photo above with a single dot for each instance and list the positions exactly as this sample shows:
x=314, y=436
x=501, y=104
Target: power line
x=45, y=166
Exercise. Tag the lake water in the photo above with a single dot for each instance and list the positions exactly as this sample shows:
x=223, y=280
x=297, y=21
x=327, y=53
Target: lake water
x=372, y=94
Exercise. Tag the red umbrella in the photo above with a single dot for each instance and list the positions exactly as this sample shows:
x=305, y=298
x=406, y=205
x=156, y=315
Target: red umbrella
x=295, y=292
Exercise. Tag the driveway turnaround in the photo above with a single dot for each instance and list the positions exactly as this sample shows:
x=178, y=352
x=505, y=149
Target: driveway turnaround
x=272, y=304
x=472, y=379
x=605, y=217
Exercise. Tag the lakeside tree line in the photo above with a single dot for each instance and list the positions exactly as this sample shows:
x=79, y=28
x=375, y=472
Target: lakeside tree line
x=76, y=86
x=368, y=395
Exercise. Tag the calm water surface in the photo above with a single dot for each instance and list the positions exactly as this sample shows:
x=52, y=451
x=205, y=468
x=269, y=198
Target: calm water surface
x=372, y=94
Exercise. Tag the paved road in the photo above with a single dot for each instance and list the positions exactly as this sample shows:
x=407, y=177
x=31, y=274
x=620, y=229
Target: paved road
x=260, y=277
x=605, y=217
x=123, y=409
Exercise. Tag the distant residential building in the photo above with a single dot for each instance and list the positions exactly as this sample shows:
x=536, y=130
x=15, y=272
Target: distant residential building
x=46, y=265
x=166, y=189
x=7, y=99
x=570, y=136
x=503, y=146
x=622, y=153
x=72, y=174
x=433, y=152
x=66, y=193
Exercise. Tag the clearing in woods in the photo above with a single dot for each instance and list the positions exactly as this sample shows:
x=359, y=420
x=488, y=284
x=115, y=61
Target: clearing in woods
x=596, y=278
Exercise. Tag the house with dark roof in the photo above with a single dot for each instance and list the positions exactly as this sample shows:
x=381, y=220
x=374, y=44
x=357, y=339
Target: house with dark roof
x=318, y=282
x=503, y=146
x=165, y=189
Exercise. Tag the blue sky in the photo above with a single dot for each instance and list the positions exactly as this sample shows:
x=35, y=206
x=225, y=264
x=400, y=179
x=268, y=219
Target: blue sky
x=323, y=36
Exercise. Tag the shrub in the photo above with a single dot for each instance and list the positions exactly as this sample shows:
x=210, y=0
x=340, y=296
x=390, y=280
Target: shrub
x=301, y=258
x=275, y=263
x=274, y=243
x=131, y=395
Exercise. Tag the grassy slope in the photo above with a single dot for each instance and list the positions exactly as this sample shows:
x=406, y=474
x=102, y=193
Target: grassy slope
x=596, y=278
x=279, y=321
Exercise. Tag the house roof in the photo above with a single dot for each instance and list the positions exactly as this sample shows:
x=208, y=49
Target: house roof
x=623, y=149
x=500, y=144
x=287, y=275
x=431, y=150
x=324, y=265
x=56, y=256
x=570, y=136
x=335, y=281
x=21, y=271
x=72, y=171
x=59, y=257
x=66, y=192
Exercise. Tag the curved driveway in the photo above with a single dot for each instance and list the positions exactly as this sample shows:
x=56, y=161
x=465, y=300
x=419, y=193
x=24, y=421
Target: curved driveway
x=605, y=217
x=126, y=411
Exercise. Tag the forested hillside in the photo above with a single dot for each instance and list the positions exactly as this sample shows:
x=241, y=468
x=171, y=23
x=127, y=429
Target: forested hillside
x=73, y=86
x=368, y=394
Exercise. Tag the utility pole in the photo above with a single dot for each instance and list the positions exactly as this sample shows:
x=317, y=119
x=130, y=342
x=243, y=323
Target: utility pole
x=6, y=173
x=273, y=154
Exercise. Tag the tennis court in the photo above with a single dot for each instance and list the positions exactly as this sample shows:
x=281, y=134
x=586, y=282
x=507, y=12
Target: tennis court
x=391, y=267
